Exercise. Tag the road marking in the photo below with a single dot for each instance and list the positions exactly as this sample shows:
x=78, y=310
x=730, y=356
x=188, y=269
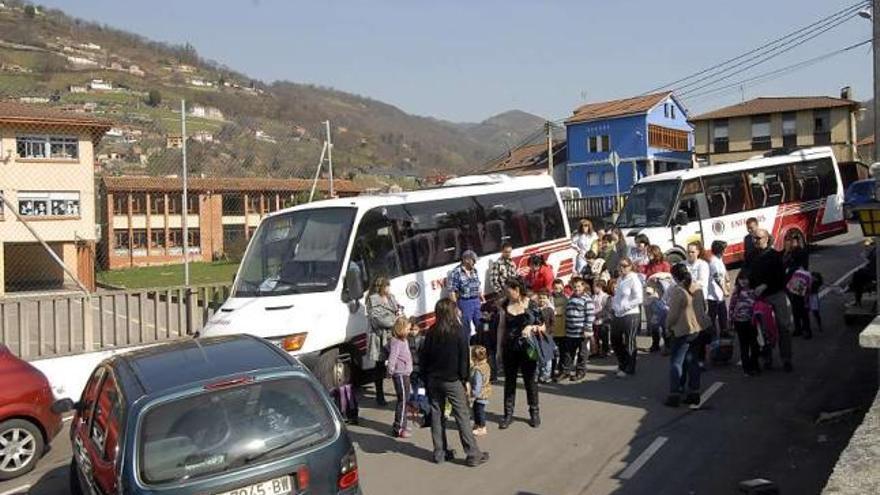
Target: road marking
x=710, y=392
x=20, y=489
x=643, y=458
x=836, y=283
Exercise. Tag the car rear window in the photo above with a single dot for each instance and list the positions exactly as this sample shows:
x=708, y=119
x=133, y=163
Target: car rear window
x=224, y=429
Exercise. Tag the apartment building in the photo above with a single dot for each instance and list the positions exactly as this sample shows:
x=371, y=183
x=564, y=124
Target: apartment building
x=47, y=179
x=757, y=126
x=142, y=218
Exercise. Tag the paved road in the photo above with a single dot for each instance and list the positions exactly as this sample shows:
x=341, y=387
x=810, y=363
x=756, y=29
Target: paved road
x=598, y=436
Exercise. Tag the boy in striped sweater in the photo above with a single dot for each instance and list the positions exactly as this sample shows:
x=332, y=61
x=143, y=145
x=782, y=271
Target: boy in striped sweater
x=580, y=312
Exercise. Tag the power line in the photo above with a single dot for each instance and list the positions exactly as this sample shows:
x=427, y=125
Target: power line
x=848, y=10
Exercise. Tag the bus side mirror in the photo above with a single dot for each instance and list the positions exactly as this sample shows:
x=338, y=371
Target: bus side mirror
x=354, y=285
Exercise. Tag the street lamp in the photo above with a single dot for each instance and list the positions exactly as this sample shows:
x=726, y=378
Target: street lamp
x=869, y=220
x=866, y=13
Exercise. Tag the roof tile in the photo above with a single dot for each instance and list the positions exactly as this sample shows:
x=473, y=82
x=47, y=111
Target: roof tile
x=765, y=105
x=223, y=184
x=617, y=108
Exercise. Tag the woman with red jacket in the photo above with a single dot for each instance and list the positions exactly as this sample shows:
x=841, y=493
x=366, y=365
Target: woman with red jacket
x=540, y=276
x=656, y=262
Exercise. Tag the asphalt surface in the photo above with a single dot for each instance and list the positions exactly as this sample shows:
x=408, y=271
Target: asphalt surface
x=613, y=436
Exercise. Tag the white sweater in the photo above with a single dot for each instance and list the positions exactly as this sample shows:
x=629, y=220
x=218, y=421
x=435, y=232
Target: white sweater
x=628, y=296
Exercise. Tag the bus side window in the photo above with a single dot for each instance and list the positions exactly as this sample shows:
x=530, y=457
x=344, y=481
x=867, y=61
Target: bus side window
x=814, y=179
x=373, y=247
x=725, y=194
x=768, y=187
x=690, y=207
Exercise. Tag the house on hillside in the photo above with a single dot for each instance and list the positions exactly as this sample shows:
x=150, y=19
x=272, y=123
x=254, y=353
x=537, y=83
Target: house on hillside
x=648, y=134
x=100, y=85
x=142, y=219
x=47, y=173
x=90, y=46
x=174, y=141
x=266, y=138
x=532, y=160
x=206, y=112
x=200, y=83
x=135, y=71
x=81, y=62
x=203, y=137
x=756, y=126
x=77, y=89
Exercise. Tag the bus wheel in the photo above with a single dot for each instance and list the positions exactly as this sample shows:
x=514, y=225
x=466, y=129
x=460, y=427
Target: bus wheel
x=333, y=369
x=674, y=258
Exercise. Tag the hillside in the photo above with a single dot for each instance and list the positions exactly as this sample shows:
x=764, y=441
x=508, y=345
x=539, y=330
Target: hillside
x=240, y=126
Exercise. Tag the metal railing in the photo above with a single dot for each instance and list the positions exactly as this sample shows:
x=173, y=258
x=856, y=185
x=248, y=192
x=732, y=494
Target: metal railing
x=601, y=207
x=65, y=324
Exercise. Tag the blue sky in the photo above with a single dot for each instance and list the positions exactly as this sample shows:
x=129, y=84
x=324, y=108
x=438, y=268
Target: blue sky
x=465, y=60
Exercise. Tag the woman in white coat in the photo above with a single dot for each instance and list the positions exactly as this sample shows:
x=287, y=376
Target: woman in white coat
x=582, y=242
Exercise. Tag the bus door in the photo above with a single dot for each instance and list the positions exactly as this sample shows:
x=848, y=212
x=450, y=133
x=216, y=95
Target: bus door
x=691, y=213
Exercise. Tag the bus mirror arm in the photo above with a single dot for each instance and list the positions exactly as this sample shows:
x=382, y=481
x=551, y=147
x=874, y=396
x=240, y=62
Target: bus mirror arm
x=354, y=287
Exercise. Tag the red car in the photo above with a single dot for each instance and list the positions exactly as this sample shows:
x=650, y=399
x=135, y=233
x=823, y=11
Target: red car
x=27, y=419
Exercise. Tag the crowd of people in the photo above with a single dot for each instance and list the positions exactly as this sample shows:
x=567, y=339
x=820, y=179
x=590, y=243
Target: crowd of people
x=542, y=329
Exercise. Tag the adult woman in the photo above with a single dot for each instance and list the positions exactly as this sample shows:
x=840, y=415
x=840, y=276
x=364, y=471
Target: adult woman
x=626, y=305
x=518, y=322
x=540, y=276
x=382, y=310
x=445, y=362
x=795, y=257
x=656, y=262
x=582, y=242
x=686, y=319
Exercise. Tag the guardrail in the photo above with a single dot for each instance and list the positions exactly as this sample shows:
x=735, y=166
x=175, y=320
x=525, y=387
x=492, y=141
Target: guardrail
x=600, y=207
x=58, y=325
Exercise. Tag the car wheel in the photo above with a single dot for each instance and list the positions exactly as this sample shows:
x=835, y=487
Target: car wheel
x=74, y=487
x=21, y=445
x=333, y=369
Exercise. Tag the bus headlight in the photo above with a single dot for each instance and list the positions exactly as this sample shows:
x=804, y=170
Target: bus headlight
x=294, y=342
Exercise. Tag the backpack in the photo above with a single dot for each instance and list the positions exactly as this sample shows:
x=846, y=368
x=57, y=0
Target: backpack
x=799, y=283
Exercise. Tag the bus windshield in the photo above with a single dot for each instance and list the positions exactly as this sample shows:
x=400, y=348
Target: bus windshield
x=649, y=204
x=296, y=252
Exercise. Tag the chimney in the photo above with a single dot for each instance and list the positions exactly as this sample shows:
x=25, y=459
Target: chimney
x=846, y=93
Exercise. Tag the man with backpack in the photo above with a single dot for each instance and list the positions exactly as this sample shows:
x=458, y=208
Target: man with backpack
x=767, y=277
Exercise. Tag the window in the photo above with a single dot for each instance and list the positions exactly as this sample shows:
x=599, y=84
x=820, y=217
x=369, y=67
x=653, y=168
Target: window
x=120, y=204
x=814, y=179
x=61, y=147
x=105, y=426
x=600, y=143
x=789, y=130
x=253, y=203
x=157, y=239
x=434, y=233
x=175, y=237
x=174, y=204
x=666, y=109
x=48, y=204
x=1, y=205
x=374, y=245
x=192, y=201
x=139, y=242
x=725, y=194
x=822, y=127
x=120, y=242
x=594, y=179
x=138, y=204
x=608, y=178
x=272, y=201
x=526, y=217
x=769, y=186
x=233, y=234
x=761, y=132
x=157, y=204
x=233, y=205
x=672, y=111
x=720, y=136
x=194, y=240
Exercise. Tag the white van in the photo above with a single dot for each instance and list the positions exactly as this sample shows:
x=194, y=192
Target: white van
x=303, y=278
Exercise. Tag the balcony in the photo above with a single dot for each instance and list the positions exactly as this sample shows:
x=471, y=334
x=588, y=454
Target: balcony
x=666, y=138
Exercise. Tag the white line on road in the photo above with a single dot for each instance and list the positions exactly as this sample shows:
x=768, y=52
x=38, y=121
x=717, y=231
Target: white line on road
x=710, y=392
x=643, y=458
x=836, y=283
x=20, y=489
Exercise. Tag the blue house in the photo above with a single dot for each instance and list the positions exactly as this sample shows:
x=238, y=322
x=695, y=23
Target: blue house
x=648, y=134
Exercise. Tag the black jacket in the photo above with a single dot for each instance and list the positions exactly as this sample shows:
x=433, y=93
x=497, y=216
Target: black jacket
x=749, y=249
x=445, y=356
x=767, y=269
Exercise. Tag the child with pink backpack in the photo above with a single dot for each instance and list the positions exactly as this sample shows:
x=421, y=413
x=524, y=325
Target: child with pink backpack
x=742, y=312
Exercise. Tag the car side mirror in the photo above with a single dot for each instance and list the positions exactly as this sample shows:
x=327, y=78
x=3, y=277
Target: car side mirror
x=62, y=406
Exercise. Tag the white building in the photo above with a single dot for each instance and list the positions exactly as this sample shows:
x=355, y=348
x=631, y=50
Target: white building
x=81, y=61
x=90, y=46
x=203, y=137
x=206, y=112
x=100, y=85
x=77, y=89
x=201, y=83
x=262, y=136
x=135, y=71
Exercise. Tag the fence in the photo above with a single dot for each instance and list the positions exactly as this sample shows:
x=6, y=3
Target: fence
x=595, y=208
x=58, y=325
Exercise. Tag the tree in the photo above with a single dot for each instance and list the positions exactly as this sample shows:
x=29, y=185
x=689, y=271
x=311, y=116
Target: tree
x=30, y=11
x=154, y=98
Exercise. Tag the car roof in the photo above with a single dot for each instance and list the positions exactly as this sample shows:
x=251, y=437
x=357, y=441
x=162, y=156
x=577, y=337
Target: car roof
x=187, y=362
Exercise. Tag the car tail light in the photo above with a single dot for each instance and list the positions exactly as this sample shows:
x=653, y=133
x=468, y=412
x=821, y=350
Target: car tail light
x=293, y=342
x=348, y=472
x=303, y=478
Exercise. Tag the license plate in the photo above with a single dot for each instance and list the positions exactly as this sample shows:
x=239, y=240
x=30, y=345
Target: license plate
x=277, y=486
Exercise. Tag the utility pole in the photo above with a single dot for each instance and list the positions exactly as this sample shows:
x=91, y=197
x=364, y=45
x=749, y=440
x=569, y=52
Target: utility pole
x=875, y=19
x=185, y=195
x=550, y=148
x=330, y=157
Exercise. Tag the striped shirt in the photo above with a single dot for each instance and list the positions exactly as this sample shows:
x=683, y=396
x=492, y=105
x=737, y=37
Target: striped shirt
x=466, y=286
x=580, y=312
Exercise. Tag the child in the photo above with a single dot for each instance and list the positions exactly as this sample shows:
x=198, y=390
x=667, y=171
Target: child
x=657, y=307
x=400, y=367
x=559, y=302
x=418, y=399
x=481, y=387
x=814, y=298
x=548, y=312
x=602, y=322
x=742, y=307
x=579, y=315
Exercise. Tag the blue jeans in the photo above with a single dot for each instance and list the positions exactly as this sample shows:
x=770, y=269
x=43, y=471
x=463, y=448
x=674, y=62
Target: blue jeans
x=470, y=316
x=683, y=365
